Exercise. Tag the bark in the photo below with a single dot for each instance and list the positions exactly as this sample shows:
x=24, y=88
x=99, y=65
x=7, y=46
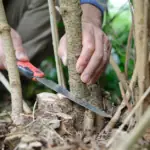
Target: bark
x=5, y=82
x=141, y=39
x=148, y=102
x=71, y=14
x=15, y=85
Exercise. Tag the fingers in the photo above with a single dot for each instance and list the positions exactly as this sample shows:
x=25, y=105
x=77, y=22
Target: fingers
x=94, y=56
x=2, y=57
x=101, y=69
x=2, y=65
x=96, y=60
x=99, y=59
x=62, y=50
x=88, y=48
x=17, y=43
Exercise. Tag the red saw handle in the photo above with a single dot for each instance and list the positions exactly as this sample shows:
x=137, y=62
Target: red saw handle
x=28, y=70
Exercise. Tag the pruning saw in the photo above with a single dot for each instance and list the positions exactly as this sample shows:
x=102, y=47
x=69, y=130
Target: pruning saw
x=33, y=73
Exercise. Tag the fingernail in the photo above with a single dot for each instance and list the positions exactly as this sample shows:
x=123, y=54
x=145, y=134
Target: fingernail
x=80, y=69
x=5, y=66
x=64, y=60
x=22, y=56
x=85, y=78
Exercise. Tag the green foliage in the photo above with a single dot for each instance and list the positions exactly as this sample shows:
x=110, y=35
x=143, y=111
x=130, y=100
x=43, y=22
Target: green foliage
x=117, y=23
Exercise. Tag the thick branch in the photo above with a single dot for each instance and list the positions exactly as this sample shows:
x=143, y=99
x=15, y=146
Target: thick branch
x=141, y=39
x=15, y=85
x=71, y=14
x=26, y=108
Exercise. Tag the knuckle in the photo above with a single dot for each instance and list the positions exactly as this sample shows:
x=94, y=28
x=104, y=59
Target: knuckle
x=87, y=40
x=90, y=46
x=83, y=60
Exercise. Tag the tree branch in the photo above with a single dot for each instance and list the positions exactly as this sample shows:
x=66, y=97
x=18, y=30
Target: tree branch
x=15, y=85
x=141, y=37
x=26, y=108
x=71, y=14
x=139, y=103
x=117, y=114
x=54, y=30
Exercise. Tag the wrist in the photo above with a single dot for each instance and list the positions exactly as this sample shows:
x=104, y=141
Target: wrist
x=91, y=14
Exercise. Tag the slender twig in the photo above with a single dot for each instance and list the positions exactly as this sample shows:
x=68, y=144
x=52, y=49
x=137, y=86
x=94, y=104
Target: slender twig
x=116, y=116
x=124, y=97
x=128, y=50
x=26, y=108
x=137, y=132
x=121, y=9
x=131, y=10
x=53, y=22
x=139, y=103
x=33, y=112
x=4, y=81
x=119, y=74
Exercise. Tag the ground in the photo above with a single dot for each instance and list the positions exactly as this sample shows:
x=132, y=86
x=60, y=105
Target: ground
x=51, y=127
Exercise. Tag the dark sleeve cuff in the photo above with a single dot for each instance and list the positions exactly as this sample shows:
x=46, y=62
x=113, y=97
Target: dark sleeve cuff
x=95, y=3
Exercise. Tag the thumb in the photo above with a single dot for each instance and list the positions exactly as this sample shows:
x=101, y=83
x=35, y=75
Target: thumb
x=62, y=50
x=17, y=43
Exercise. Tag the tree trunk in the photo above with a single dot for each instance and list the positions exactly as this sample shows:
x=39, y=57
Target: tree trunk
x=15, y=86
x=71, y=14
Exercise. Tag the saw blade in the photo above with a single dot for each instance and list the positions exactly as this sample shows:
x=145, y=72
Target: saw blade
x=82, y=102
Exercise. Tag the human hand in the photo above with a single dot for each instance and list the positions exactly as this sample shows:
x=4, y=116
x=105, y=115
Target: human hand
x=19, y=50
x=95, y=52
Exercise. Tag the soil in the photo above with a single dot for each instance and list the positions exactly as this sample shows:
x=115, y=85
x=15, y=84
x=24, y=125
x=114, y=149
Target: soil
x=52, y=126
